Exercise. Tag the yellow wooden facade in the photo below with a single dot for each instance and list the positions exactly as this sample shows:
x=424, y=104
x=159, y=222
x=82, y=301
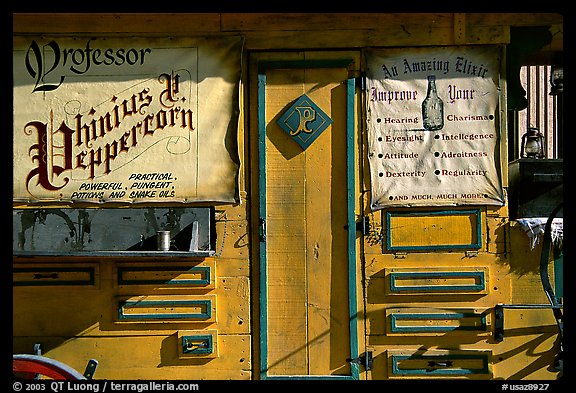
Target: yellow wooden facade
x=307, y=330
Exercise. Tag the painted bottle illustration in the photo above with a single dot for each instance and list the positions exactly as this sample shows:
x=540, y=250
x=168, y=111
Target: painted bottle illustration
x=432, y=107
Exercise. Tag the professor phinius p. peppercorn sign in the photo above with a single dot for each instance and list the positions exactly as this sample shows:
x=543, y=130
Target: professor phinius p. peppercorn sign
x=126, y=119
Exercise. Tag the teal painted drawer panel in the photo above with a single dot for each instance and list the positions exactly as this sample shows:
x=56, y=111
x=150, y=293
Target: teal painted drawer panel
x=197, y=345
x=200, y=276
x=395, y=242
x=200, y=309
x=430, y=282
x=201, y=343
x=449, y=365
x=437, y=322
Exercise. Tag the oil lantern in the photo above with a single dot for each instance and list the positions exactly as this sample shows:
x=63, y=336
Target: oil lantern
x=532, y=144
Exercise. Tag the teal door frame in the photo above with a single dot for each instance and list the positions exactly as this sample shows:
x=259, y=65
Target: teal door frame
x=263, y=66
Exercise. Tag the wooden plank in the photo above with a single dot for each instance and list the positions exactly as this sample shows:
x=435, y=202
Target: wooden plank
x=76, y=312
x=277, y=30
x=330, y=21
x=459, y=28
x=235, y=212
x=184, y=23
x=487, y=35
x=50, y=311
x=232, y=267
x=395, y=35
x=291, y=33
x=285, y=235
x=514, y=19
x=149, y=357
x=310, y=181
x=524, y=267
x=536, y=332
x=80, y=275
x=116, y=23
x=319, y=227
x=326, y=246
x=526, y=354
x=231, y=239
x=376, y=265
x=496, y=227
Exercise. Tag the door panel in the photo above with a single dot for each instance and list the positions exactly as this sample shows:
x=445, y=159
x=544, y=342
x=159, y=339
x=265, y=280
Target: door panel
x=307, y=253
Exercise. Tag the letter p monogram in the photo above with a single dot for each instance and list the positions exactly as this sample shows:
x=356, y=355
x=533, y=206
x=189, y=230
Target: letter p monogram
x=306, y=114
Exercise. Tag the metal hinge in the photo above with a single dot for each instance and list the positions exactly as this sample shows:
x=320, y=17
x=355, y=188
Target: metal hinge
x=37, y=352
x=262, y=233
x=363, y=225
x=364, y=359
x=361, y=80
x=90, y=368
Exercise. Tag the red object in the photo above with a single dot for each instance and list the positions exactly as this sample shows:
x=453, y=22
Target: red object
x=28, y=366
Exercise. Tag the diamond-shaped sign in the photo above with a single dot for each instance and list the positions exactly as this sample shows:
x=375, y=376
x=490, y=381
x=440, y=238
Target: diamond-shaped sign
x=304, y=121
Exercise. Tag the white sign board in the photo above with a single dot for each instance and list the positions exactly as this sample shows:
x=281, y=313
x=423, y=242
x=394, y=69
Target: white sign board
x=433, y=126
x=125, y=119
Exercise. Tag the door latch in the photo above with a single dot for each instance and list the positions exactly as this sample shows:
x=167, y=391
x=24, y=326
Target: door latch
x=363, y=226
x=364, y=359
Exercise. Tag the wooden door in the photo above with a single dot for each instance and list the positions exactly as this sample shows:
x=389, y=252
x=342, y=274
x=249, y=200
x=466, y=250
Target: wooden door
x=307, y=191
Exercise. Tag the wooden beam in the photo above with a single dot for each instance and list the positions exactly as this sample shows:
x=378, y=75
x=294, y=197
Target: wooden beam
x=117, y=23
x=459, y=28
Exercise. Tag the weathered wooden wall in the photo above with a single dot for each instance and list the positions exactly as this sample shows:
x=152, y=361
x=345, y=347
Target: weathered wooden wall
x=272, y=31
x=78, y=322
